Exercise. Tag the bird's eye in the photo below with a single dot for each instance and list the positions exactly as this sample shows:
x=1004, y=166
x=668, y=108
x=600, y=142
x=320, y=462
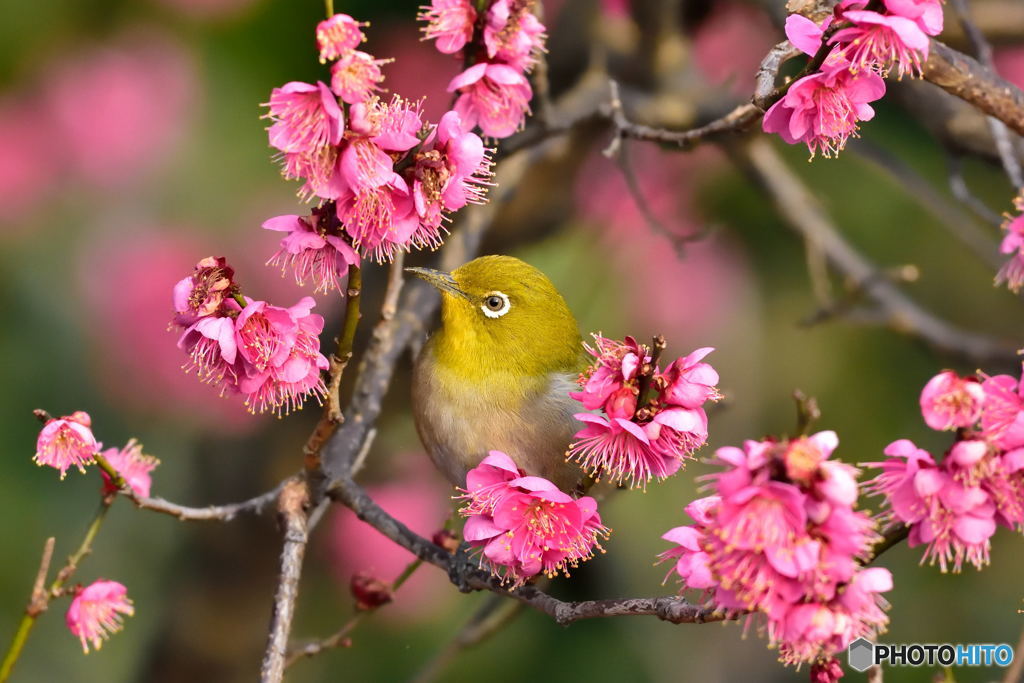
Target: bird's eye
x=496, y=304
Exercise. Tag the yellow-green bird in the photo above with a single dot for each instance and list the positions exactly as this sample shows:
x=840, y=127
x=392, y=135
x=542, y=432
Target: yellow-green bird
x=498, y=372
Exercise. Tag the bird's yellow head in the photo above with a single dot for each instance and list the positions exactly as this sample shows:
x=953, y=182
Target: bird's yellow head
x=501, y=316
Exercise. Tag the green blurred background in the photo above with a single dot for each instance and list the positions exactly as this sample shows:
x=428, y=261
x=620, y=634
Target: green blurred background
x=131, y=146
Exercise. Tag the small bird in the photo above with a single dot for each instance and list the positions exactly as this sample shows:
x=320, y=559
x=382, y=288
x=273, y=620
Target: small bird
x=498, y=372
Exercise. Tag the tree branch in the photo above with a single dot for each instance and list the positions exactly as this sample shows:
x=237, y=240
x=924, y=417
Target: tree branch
x=292, y=508
x=805, y=216
x=219, y=513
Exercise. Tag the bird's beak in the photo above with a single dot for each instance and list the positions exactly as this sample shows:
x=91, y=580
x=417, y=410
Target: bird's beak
x=443, y=281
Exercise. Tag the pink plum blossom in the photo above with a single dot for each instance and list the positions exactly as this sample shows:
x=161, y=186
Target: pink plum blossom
x=452, y=170
x=67, y=442
x=450, y=23
x=356, y=76
x=525, y=525
x=949, y=401
x=954, y=520
x=381, y=219
x=1012, y=272
x=881, y=42
x=822, y=110
x=338, y=35
x=513, y=34
x=203, y=292
x=97, y=612
x=781, y=537
x=1002, y=414
x=133, y=466
x=495, y=97
x=926, y=13
x=312, y=252
x=212, y=352
x=280, y=348
x=690, y=382
x=632, y=443
x=307, y=126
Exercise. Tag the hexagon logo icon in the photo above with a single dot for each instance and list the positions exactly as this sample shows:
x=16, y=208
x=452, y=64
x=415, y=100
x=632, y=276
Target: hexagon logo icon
x=860, y=655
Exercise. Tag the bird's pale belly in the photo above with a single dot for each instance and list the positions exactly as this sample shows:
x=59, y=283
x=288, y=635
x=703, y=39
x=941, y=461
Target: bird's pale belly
x=460, y=424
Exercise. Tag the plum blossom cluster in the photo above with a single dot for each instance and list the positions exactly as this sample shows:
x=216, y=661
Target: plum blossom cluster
x=386, y=179
x=952, y=506
x=270, y=355
x=781, y=537
x=97, y=610
x=636, y=436
x=524, y=524
x=68, y=442
x=823, y=109
x=500, y=44
x=1012, y=272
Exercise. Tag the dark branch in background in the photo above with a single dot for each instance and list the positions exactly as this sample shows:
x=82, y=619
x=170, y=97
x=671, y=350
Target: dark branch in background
x=958, y=186
x=801, y=210
x=947, y=213
x=983, y=51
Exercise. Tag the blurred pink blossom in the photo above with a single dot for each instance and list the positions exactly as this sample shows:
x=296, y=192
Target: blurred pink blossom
x=133, y=465
x=29, y=163
x=209, y=9
x=1009, y=62
x=730, y=44
x=67, y=442
x=656, y=272
x=119, y=109
x=415, y=496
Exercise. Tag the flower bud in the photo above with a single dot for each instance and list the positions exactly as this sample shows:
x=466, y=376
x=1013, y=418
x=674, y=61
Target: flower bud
x=369, y=591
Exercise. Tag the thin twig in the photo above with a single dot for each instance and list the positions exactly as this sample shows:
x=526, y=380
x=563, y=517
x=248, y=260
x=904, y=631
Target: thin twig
x=947, y=213
x=340, y=637
x=804, y=215
x=219, y=513
x=292, y=508
x=983, y=51
x=491, y=617
x=958, y=186
x=40, y=599
x=768, y=73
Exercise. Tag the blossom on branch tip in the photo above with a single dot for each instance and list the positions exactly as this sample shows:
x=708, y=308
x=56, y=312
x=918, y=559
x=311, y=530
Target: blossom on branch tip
x=949, y=401
x=67, y=442
x=133, y=466
x=450, y=23
x=513, y=34
x=495, y=97
x=822, y=110
x=338, y=35
x=524, y=524
x=313, y=250
x=953, y=519
x=781, y=537
x=97, y=612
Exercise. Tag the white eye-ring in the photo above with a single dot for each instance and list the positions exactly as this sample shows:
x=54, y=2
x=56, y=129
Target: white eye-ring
x=496, y=304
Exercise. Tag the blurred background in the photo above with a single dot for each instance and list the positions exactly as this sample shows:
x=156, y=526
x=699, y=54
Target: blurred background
x=131, y=145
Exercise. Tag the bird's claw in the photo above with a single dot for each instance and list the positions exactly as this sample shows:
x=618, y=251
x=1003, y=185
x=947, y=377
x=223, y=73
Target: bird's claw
x=460, y=568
